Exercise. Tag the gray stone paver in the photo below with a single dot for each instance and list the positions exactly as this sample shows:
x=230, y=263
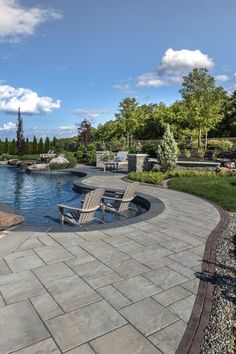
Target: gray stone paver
x=20, y=327
x=137, y=288
x=148, y=316
x=123, y=340
x=45, y=346
x=142, y=275
x=80, y=326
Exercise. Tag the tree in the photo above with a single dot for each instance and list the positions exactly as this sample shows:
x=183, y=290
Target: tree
x=227, y=127
x=203, y=101
x=1, y=147
x=46, y=145
x=34, y=145
x=167, y=151
x=20, y=135
x=6, y=146
x=128, y=118
x=13, y=147
x=84, y=132
x=40, y=146
x=27, y=147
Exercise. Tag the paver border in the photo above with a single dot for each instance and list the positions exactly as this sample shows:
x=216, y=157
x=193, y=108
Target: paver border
x=194, y=333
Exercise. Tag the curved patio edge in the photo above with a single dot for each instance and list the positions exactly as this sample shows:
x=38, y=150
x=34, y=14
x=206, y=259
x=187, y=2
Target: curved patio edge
x=194, y=334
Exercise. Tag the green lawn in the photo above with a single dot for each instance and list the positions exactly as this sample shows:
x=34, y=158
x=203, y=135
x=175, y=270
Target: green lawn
x=220, y=190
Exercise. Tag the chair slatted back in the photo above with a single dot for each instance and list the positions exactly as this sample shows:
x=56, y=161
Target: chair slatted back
x=128, y=196
x=123, y=154
x=90, y=205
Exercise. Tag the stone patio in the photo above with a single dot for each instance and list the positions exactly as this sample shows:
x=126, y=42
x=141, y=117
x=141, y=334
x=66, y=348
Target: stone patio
x=124, y=290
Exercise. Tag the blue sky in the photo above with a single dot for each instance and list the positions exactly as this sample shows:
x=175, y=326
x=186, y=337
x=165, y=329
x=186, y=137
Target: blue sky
x=63, y=60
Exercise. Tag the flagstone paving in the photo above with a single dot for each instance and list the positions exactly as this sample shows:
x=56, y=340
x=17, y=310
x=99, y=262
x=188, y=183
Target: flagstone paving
x=123, y=290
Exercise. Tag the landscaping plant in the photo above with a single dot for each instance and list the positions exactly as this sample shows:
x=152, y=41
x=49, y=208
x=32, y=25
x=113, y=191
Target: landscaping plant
x=167, y=151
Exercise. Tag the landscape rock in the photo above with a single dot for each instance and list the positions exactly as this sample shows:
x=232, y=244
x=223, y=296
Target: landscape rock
x=14, y=162
x=39, y=167
x=8, y=220
x=60, y=160
x=225, y=170
x=230, y=165
x=3, y=163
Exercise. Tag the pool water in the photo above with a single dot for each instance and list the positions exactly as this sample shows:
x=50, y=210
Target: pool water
x=36, y=195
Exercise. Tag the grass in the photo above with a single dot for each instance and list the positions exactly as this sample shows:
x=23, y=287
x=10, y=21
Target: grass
x=220, y=190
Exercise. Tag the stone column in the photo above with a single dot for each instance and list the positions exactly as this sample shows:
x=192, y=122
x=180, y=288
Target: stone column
x=99, y=155
x=137, y=162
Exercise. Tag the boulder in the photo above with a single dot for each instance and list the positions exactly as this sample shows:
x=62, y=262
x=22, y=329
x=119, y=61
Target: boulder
x=14, y=162
x=225, y=170
x=2, y=163
x=8, y=220
x=39, y=167
x=60, y=160
x=230, y=165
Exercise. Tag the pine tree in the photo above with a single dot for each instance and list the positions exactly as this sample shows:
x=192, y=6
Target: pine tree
x=40, y=146
x=6, y=146
x=46, y=145
x=1, y=147
x=167, y=151
x=13, y=147
x=27, y=147
x=34, y=145
x=20, y=135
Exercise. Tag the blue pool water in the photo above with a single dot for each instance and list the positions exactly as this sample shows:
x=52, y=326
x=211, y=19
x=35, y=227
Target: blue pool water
x=36, y=195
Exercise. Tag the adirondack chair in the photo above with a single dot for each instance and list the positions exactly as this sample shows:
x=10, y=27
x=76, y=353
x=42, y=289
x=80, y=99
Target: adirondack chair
x=120, y=160
x=121, y=202
x=85, y=214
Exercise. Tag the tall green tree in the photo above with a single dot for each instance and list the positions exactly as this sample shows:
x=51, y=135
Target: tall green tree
x=47, y=145
x=20, y=142
x=227, y=127
x=203, y=101
x=1, y=147
x=41, y=146
x=27, y=146
x=34, y=145
x=13, y=147
x=127, y=118
x=6, y=146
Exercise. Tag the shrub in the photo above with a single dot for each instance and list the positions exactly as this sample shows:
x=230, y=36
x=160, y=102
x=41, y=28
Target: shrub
x=201, y=153
x=182, y=145
x=147, y=177
x=81, y=147
x=215, y=154
x=191, y=173
x=91, y=156
x=79, y=155
x=221, y=145
x=150, y=149
x=92, y=147
x=108, y=156
x=72, y=160
x=119, y=143
x=167, y=151
x=187, y=153
x=5, y=157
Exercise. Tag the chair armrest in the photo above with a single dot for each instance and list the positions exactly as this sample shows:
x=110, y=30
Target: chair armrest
x=63, y=206
x=112, y=198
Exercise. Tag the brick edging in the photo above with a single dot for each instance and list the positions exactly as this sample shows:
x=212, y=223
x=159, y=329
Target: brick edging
x=194, y=334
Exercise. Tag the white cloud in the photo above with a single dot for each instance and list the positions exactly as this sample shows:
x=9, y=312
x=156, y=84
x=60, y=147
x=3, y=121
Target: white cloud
x=7, y=127
x=90, y=113
x=222, y=78
x=30, y=103
x=17, y=21
x=123, y=87
x=150, y=80
x=68, y=128
x=184, y=60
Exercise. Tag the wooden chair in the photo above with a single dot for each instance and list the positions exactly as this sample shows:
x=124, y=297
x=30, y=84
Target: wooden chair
x=113, y=163
x=85, y=214
x=121, y=202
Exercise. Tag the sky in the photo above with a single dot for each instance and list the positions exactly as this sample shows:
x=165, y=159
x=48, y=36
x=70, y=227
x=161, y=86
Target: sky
x=65, y=60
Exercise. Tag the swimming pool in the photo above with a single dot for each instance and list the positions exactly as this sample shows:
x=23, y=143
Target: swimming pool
x=36, y=195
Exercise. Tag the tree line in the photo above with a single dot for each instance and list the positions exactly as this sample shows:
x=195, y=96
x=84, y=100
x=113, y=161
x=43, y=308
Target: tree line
x=30, y=147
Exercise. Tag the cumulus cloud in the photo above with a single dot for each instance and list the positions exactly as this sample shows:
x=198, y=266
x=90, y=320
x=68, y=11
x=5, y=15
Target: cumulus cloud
x=29, y=101
x=17, y=21
x=123, y=87
x=184, y=60
x=7, y=127
x=90, y=114
x=222, y=78
x=150, y=80
x=68, y=128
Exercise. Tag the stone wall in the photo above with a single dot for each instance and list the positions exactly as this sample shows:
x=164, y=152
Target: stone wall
x=137, y=162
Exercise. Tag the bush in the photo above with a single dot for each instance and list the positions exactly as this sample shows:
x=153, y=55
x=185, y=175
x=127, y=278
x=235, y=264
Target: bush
x=5, y=157
x=79, y=155
x=81, y=147
x=150, y=149
x=191, y=173
x=221, y=145
x=201, y=153
x=167, y=151
x=119, y=143
x=108, y=156
x=147, y=177
x=72, y=160
x=92, y=147
x=182, y=145
x=91, y=156
x=187, y=153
